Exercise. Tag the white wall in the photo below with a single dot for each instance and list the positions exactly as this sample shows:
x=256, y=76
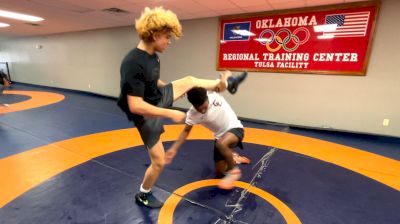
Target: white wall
x=71, y=60
x=352, y=103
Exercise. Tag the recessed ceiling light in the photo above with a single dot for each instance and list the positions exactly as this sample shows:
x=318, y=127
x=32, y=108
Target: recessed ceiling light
x=243, y=32
x=262, y=40
x=326, y=36
x=325, y=28
x=4, y=25
x=19, y=16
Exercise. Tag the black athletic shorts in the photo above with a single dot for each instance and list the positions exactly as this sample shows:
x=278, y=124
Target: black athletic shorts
x=151, y=128
x=239, y=132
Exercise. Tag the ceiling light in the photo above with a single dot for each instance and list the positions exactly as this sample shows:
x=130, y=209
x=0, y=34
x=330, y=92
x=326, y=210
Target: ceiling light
x=243, y=32
x=325, y=28
x=4, y=25
x=19, y=16
x=326, y=36
x=262, y=39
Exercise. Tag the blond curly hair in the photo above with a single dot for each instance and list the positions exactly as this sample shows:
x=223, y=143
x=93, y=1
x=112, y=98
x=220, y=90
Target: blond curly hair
x=157, y=20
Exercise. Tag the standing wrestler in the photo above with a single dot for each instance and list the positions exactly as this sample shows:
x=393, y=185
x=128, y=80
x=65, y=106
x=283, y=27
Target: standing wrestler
x=145, y=98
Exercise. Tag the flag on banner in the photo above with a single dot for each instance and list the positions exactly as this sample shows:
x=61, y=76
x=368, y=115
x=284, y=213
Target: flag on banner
x=229, y=35
x=348, y=24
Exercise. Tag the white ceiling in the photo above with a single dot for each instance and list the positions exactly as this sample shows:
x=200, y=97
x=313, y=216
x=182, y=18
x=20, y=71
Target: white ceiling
x=77, y=15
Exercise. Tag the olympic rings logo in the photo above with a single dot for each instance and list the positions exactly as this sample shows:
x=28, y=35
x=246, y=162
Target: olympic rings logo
x=283, y=37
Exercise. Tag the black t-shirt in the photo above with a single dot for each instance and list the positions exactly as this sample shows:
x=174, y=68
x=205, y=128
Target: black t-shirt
x=3, y=76
x=140, y=72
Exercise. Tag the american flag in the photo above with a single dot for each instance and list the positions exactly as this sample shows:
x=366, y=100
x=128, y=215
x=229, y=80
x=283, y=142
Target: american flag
x=348, y=24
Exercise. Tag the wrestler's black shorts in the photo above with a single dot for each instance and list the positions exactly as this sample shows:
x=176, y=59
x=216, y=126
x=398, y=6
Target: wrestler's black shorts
x=239, y=132
x=151, y=128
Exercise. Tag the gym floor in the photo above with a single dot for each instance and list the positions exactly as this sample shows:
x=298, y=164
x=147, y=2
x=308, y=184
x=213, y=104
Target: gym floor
x=73, y=157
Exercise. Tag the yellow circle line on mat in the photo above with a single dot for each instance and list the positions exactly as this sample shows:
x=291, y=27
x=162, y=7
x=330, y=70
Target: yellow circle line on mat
x=167, y=211
x=21, y=172
x=38, y=99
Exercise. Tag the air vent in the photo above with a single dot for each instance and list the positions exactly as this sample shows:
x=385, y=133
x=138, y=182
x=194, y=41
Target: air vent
x=115, y=11
x=32, y=24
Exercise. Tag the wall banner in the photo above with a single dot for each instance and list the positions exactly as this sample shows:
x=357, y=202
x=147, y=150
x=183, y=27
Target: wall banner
x=323, y=40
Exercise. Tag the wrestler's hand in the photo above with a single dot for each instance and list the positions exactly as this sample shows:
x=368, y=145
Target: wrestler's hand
x=177, y=116
x=223, y=84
